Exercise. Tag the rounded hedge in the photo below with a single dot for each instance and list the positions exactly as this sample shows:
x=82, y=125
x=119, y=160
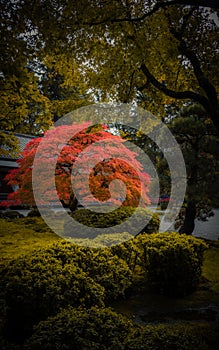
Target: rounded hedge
x=96, y=328
x=93, y=219
x=104, y=329
x=34, y=212
x=101, y=265
x=37, y=286
x=10, y=215
x=172, y=261
x=34, y=288
x=165, y=337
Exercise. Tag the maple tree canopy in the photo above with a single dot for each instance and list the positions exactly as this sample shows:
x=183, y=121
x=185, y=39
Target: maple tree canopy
x=93, y=183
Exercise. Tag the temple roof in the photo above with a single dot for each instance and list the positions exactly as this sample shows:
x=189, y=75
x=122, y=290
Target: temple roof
x=23, y=139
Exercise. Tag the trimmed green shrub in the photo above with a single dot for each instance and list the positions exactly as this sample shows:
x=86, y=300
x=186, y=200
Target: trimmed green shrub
x=129, y=251
x=93, y=219
x=172, y=261
x=110, y=272
x=101, y=265
x=103, y=240
x=96, y=328
x=35, y=287
x=34, y=213
x=103, y=329
x=10, y=215
x=165, y=337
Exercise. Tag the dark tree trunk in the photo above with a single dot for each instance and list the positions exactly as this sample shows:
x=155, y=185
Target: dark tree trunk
x=73, y=202
x=189, y=222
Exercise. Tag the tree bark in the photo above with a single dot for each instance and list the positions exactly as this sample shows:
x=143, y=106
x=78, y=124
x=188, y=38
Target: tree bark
x=73, y=202
x=189, y=222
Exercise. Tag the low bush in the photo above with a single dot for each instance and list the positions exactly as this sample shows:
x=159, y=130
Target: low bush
x=103, y=329
x=110, y=272
x=10, y=215
x=35, y=287
x=172, y=261
x=103, y=240
x=93, y=219
x=101, y=265
x=96, y=328
x=165, y=337
x=34, y=213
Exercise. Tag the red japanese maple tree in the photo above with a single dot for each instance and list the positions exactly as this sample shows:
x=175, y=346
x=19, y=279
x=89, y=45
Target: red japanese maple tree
x=81, y=169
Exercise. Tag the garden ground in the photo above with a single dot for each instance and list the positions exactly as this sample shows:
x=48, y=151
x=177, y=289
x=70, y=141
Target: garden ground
x=198, y=311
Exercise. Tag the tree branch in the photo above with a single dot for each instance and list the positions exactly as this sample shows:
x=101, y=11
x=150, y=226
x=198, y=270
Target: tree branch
x=159, y=5
x=203, y=81
x=210, y=103
x=171, y=93
x=130, y=87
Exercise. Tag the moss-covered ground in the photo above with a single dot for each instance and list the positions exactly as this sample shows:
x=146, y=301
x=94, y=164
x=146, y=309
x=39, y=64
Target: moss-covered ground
x=21, y=236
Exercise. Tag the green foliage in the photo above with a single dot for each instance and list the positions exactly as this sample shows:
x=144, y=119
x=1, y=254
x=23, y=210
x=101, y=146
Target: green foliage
x=103, y=329
x=23, y=108
x=101, y=265
x=164, y=337
x=35, y=288
x=77, y=329
x=34, y=213
x=98, y=49
x=129, y=252
x=105, y=240
x=63, y=275
x=5, y=345
x=38, y=285
x=172, y=262
x=196, y=135
x=116, y=217
x=8, y=144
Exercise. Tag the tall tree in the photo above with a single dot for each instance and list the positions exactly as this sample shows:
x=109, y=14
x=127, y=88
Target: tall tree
x=29, y=78
x=165, y=49
x=23, y=108
x=199, y=142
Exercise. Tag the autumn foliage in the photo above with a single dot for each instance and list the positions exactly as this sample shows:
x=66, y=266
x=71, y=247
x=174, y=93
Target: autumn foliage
x=100, y=158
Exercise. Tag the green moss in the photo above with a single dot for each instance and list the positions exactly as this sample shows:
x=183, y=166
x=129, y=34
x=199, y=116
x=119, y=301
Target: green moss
x=20, y=237
x=211, y=266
